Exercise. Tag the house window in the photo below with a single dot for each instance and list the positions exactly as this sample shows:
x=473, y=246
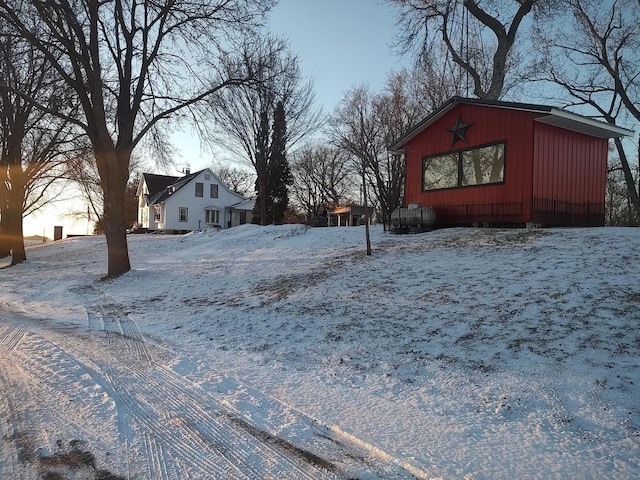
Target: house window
x=213, y=217
x=157, y=214
x=213, y=191
x=184, y=214
x=476, y=166
x=199, y=189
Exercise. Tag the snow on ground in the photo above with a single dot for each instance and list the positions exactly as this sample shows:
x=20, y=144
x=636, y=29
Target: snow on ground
x=460, y=353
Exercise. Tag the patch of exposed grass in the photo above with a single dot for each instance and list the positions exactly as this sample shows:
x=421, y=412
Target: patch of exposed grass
x=72, y=458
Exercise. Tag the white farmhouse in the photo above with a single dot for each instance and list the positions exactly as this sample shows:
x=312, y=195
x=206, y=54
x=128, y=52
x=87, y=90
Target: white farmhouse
x=196, y=201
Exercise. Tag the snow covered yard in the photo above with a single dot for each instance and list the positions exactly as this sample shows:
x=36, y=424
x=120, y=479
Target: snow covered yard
x=460, y=353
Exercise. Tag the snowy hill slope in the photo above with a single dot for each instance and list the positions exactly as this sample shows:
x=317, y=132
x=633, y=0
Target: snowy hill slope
x=460, y=353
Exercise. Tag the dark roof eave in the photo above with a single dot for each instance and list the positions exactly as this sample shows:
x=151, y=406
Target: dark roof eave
x=555, y=116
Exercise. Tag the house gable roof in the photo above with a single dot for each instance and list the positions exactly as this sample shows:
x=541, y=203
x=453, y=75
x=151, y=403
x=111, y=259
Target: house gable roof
x=173, y=187
x=161, y=187
x=549, y=115
x=157, y=183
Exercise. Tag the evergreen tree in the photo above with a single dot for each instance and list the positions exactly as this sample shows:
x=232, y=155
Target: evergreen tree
x=260, y=210
x=280, y=177
x=274, y=175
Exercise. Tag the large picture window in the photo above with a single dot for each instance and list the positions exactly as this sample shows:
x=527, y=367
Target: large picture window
x=475, y=166
x=483, y=165
x=441, y=172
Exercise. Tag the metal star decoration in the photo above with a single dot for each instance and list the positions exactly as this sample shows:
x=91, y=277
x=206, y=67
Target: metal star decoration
x=458, y=131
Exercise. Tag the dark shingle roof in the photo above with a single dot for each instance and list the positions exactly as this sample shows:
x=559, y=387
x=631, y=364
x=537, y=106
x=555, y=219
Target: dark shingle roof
x=157, y=183
x=162, y=186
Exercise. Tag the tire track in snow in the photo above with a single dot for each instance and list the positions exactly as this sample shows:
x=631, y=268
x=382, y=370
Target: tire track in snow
x=112, y=318
x=13, y=337
x=350, y=455
x=106, y=315
x=143, y=421
x=170, y=429
x=158, y=462
x=17, y=460
x=197, y=436
x=207, y=445
x=9, y=455
x=198, y=397
x=52, y=378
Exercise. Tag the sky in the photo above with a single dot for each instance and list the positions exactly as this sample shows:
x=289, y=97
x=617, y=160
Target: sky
x=340, y=44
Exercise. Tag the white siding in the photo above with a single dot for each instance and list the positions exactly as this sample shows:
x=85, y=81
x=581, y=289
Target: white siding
x=186, y=197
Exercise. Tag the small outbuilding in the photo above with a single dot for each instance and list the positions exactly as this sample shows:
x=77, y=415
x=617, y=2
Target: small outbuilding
x=493, y=162
x=348, y=215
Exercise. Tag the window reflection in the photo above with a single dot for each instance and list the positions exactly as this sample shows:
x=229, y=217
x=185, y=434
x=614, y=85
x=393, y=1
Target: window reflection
x=476, y=166
x=441, y=172
x=483, y=165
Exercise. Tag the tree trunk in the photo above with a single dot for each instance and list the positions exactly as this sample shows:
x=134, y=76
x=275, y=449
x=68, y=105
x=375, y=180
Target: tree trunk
x=14, y=189
x=16, y=196
x=5, y=247
x=366, y=213
x=114, y=170
x=628, y=177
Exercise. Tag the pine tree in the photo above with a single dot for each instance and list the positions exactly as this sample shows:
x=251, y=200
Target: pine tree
x=274, y=173
x=260, y=214
x=280, y=177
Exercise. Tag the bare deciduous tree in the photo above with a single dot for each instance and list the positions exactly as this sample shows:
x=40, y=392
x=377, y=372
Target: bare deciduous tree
x=397, y=109
x=34, y=143
x=478, y=36
x=596, y=60
x=366, y=124
x=81, y=170
x=355, y=128
x=244, y=115
x=619, y=206
x=322, y=179
x=434, y=81
x=135, y=67
x=240, y=180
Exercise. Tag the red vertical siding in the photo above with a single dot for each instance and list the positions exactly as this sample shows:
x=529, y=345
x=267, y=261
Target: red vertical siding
x=569, y=166
x=489, y=125
x=545, y=166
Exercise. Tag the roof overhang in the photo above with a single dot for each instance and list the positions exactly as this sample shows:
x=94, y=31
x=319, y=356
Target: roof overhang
x=577, y=123
x=550, y=115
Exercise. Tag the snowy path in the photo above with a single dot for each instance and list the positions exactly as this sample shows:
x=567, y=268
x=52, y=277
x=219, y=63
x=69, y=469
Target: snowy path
x=141, y=419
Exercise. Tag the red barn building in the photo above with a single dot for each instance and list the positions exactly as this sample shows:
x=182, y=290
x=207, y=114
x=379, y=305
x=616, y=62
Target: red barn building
x=492, y=162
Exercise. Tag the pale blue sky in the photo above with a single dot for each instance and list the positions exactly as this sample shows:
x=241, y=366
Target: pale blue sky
x=340, y=43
